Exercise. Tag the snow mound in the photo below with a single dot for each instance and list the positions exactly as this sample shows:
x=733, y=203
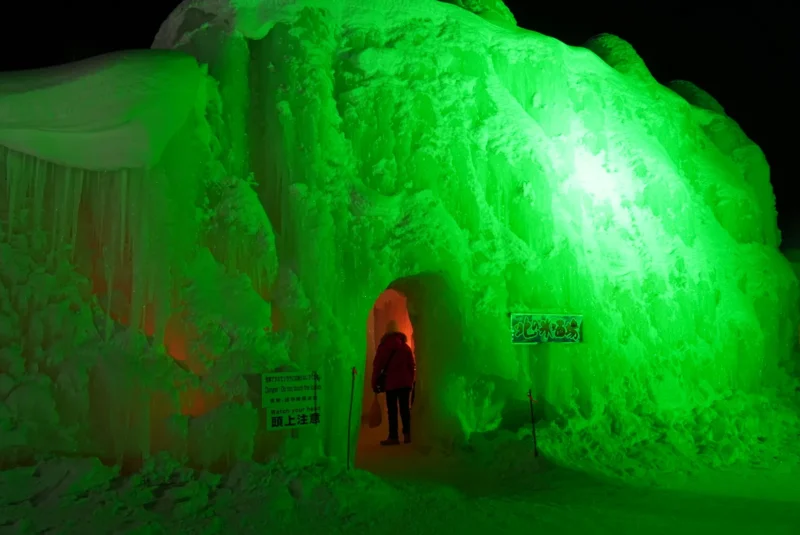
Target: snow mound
x=106, y=113
x=83, y=495
x=696, y=96
x=491, y=10
x=620, y=55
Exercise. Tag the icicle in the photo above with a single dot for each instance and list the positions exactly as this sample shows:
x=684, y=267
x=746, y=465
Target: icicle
x=58, y=196
x=123, y=213
x=140, y=268
x=39, y=188
x=12, y=185
x=132, y=234
x=77, y=194
x=109, y=273
x=150, y=236
x=120, y=201
x=114, y=226
x=98, y=207
x=65, y=204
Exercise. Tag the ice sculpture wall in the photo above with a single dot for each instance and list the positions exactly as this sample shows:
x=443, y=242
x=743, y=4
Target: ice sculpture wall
x=339, y=148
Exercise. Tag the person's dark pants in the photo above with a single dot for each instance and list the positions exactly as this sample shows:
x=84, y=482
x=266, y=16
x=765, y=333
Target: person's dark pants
x=393, y=398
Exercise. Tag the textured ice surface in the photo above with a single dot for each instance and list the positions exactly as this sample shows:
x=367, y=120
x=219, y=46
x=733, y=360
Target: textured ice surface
x=476, y=168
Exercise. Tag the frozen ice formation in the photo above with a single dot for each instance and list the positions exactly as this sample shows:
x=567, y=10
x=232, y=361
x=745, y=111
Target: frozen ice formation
x=110, y=112
x=164, y=243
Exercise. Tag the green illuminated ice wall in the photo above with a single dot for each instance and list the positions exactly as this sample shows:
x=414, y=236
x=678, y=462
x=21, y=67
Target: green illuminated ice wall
x=337, y=148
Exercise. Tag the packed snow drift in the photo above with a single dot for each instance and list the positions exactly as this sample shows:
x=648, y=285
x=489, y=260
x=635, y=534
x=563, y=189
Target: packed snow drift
x=234, y=203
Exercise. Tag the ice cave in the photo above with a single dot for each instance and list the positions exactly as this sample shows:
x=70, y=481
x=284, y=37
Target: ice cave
x=273, y=181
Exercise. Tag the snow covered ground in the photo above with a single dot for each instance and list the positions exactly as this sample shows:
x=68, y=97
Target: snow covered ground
x=416, y=493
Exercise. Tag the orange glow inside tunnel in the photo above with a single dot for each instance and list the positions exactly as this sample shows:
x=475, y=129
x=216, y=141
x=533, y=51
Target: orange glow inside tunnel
x=391, y=305
x=181, y=338
x=178, y=334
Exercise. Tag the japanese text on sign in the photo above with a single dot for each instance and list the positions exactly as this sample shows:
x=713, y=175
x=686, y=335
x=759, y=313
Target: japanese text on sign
x=544, y=328
x=290, y=399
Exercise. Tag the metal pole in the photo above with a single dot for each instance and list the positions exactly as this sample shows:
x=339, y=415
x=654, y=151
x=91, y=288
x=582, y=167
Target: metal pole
x=350, y=417
x=533, y=425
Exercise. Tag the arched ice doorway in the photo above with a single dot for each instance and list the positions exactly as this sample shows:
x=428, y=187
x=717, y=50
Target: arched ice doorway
x=428, y=310
x=391, y=305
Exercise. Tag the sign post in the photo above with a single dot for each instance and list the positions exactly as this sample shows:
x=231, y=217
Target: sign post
x=530, y=328
x=533, y=425
x=290, y=399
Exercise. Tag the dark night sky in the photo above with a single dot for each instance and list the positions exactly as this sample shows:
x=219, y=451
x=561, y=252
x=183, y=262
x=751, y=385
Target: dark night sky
x=741, y=55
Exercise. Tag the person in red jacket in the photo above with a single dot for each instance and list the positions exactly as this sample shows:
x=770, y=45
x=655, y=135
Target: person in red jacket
x=396, y=360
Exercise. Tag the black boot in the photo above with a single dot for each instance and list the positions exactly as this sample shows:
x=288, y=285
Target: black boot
x=406, y=438
x=390, y=442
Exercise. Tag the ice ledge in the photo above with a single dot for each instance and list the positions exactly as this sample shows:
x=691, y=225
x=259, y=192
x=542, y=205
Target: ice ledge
x=110, y=112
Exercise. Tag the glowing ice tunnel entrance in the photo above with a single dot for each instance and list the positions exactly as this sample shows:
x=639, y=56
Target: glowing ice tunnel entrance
x=427, y=310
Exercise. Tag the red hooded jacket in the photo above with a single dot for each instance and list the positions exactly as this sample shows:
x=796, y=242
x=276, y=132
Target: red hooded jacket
x=402, y=370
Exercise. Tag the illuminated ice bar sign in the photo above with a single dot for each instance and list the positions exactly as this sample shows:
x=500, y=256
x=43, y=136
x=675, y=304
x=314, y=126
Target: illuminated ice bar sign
x=546, y=328
x=290, y=399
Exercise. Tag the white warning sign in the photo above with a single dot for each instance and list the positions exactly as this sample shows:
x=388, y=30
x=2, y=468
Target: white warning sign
x=290, y=399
